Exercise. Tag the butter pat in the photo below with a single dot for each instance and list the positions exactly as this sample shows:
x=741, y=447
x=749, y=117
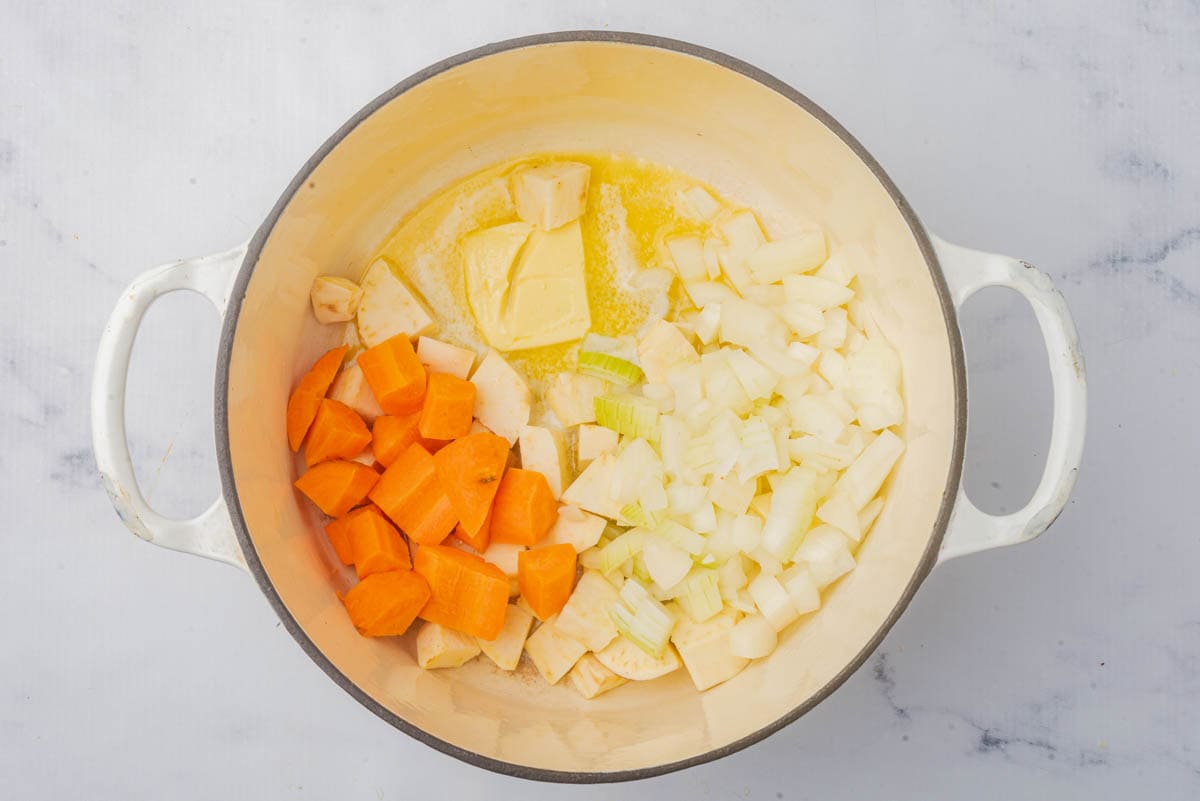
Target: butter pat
x=551, y=195
x=525, y=286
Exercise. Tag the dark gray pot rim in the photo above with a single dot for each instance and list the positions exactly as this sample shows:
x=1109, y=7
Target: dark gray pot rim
x=229, y=329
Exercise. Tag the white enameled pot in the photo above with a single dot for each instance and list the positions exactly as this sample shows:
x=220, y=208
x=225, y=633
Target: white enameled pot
x=714, y=117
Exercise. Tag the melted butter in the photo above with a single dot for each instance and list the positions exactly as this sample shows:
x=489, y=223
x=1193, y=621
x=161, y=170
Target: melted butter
x=633, y=205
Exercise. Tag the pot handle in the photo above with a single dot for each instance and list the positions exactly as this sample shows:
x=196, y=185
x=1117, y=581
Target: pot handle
x=970, y=530
x=209, y=534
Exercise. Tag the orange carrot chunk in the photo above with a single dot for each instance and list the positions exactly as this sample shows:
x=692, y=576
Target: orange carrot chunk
x=338, y=532
x=386, y=604
x=480, y=539
x=546, y=577
x=337, y=487
x=525, y=508
x=306, y=397
x=449, y=407
x=377, y=545
x=395, y=375
x=392, y=434
x=470, y=470
x=465, y=593
x=409, y=493
x=336, y=433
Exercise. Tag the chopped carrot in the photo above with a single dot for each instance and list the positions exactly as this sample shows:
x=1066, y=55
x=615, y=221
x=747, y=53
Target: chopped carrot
x=396, y=376
x=449, y=407
x=337, y=487
x=336, y=433
x=306, y=397
x=525, y=508
x=480, y=539
x=546, y=577
x=409, y=493
x=392, y=434
x=377, y=545
x=338, y=531
x=469, y=470
x=465, y=593
x=386, y=604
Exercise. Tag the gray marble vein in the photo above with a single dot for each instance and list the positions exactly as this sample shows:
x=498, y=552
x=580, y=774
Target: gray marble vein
x=132, y=134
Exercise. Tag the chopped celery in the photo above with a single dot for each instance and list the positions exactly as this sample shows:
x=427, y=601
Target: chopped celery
x=792, y=505
x=680, y=535
x=699, y=594
x=641, y=619
x=610, y=368
x=621, y=550
x=628, y=414
x=633, y=514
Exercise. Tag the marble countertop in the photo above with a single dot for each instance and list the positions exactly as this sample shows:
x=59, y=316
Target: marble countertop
x=132, y=134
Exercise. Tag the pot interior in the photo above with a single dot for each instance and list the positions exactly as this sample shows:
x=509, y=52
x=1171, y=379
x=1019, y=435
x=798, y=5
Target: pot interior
x=754, y=145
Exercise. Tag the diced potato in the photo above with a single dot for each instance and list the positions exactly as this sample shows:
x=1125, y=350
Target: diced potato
x=592, y=489
x=551, y=195
x=572, y=397
x=543, y=450
x=576, y=528
x=585, y=616
x=800, y=253
x=663, y=348
x=705, y=649
x=441, y=647
x=334, y=300
x=591, y=678
x=506, y=649
x=504, y=556
x=442, y=357
x=352, y=389
x=629, y=661
x=502, y=398
x=591, y=441
x=388, y=307
x=553, y=653
x=687, y=253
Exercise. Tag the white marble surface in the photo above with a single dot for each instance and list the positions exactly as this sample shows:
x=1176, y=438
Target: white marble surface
x=1065, y=133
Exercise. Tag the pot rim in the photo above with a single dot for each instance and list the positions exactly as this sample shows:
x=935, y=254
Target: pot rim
x=229, y=330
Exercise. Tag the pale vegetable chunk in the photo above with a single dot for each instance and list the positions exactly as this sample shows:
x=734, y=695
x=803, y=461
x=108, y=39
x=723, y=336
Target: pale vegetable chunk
x=585, y=616
x=801, y=588
x=706, y=651
x=442, y=357
x=800, y=253
x=840, y=512
x=592, y=441
x=576, y=528
x=700, y=203
x=352, y=389
x=551, y=195
x=504, y=556
x=590, y=677
x=543, y=450
x=752, y=637
x=687, y=253
x=502, y=398
x=820, y=292
x=792, y=503
x=334, y=300
x=663, y=348
x=506, y=649
x=572, y=397
x=630, y=662
x=388, y=307
x=553, y=653
x=592, y=489
x=862, y=480
x=773, y=601
x=441, y=647
x=743, y=236
x=825, y=552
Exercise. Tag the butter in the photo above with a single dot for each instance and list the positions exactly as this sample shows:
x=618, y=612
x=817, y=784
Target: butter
x=526, y=287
